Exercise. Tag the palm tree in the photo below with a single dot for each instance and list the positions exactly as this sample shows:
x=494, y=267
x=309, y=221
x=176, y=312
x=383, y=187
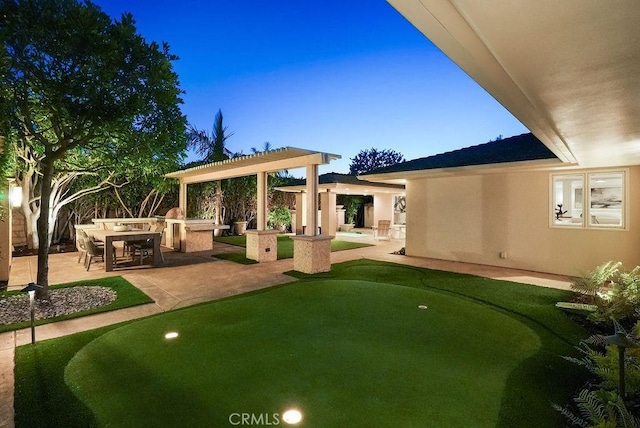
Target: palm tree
x=212, y=149
x=267, y=147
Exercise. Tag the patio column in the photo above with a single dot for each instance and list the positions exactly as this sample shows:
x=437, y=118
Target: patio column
x=299, y=213
x=262, y=201
x=312, y=200
x=182, y=230
x=312, y=252
x=328, y=213
x=182, y=197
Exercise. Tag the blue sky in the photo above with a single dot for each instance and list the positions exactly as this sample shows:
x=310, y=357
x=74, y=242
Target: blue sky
x=333, y=76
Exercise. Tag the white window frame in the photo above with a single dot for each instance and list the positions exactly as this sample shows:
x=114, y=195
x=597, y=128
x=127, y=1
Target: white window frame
x=587, y=223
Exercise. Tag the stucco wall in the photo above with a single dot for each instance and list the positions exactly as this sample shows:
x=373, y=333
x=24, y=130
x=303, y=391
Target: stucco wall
x=382, y=207
x=475, y=218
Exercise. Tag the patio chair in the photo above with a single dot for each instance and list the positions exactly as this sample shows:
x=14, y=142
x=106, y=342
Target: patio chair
x=81, y=247
x=92, y=248
x=382, y=230
x=94, y=251
x=82, y=234
x=145, y=248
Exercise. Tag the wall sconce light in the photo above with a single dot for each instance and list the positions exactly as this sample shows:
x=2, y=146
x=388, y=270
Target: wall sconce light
x=15, y=196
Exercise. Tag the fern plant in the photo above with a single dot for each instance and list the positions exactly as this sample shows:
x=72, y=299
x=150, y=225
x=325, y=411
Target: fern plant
x=605, y=364
x=614, y=291
x=594, y=281
x=602, y=406
x=600, y=409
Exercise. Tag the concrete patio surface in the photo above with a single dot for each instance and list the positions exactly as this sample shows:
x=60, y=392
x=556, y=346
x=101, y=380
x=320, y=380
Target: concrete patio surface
x=186, y=279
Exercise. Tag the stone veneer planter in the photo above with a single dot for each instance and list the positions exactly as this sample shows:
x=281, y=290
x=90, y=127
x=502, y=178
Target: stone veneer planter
x=312, y=254
x=262, y=245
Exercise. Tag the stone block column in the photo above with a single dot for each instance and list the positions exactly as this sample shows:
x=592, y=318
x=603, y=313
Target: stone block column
x=262, y=245
x=312, y=254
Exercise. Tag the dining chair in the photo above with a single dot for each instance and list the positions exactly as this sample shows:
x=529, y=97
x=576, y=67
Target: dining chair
x=145, y=248
x=81, y=247
x=93, y=249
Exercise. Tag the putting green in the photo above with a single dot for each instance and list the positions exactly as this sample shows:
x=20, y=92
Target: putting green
x=346, y=353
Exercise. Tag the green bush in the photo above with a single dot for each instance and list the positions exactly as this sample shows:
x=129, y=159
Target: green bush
x=279, y=218
x=614, y=291
x=600, y=409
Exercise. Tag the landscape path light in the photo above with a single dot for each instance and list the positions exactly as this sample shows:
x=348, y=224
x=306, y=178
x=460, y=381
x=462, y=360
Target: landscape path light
x=31, y=288
x=622, y=342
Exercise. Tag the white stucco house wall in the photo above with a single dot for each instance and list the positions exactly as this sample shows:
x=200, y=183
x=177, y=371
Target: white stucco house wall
x=497, y=204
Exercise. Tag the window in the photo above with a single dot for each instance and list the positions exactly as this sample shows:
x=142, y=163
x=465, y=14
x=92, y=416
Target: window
x=600, y=206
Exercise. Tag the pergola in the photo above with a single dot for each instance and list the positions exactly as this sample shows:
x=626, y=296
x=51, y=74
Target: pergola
x=311, y=252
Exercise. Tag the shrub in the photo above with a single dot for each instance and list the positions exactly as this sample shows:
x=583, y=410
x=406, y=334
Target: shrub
x=600, y=409
x=614, y=291
x=279, y=218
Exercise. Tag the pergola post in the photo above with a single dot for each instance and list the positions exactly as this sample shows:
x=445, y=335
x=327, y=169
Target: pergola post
x=312, y=252
x=262, y=201
x=300, y=210
x=262, y=244
x=312, y=200
x=328, y=213
x=182, y=197
x=182, y=204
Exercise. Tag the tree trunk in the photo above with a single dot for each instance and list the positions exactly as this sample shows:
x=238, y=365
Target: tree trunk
x=31, y=224
x=42, y=278
x=30, y=207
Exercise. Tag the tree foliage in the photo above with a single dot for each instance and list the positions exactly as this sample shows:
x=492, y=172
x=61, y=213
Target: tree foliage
x=212, y=148
x=84, y=93
x=370, y=159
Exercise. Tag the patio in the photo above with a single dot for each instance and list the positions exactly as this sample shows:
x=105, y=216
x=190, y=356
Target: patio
x=196, y=269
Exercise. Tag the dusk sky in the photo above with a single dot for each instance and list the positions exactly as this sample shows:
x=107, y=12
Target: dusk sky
x=333, y=76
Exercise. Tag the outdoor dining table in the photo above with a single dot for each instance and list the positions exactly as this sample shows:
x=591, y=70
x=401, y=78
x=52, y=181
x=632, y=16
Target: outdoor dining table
x=109, y=236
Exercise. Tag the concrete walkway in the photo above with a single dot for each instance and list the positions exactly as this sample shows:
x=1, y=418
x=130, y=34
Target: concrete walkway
x=187, y=279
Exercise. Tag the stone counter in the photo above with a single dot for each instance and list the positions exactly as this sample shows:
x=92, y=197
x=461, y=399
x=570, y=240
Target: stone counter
x=190, y=235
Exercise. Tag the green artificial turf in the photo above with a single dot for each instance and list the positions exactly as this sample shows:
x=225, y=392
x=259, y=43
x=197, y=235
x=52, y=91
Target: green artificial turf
x=127, y=295
x=348, y=348
x=285, y=244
